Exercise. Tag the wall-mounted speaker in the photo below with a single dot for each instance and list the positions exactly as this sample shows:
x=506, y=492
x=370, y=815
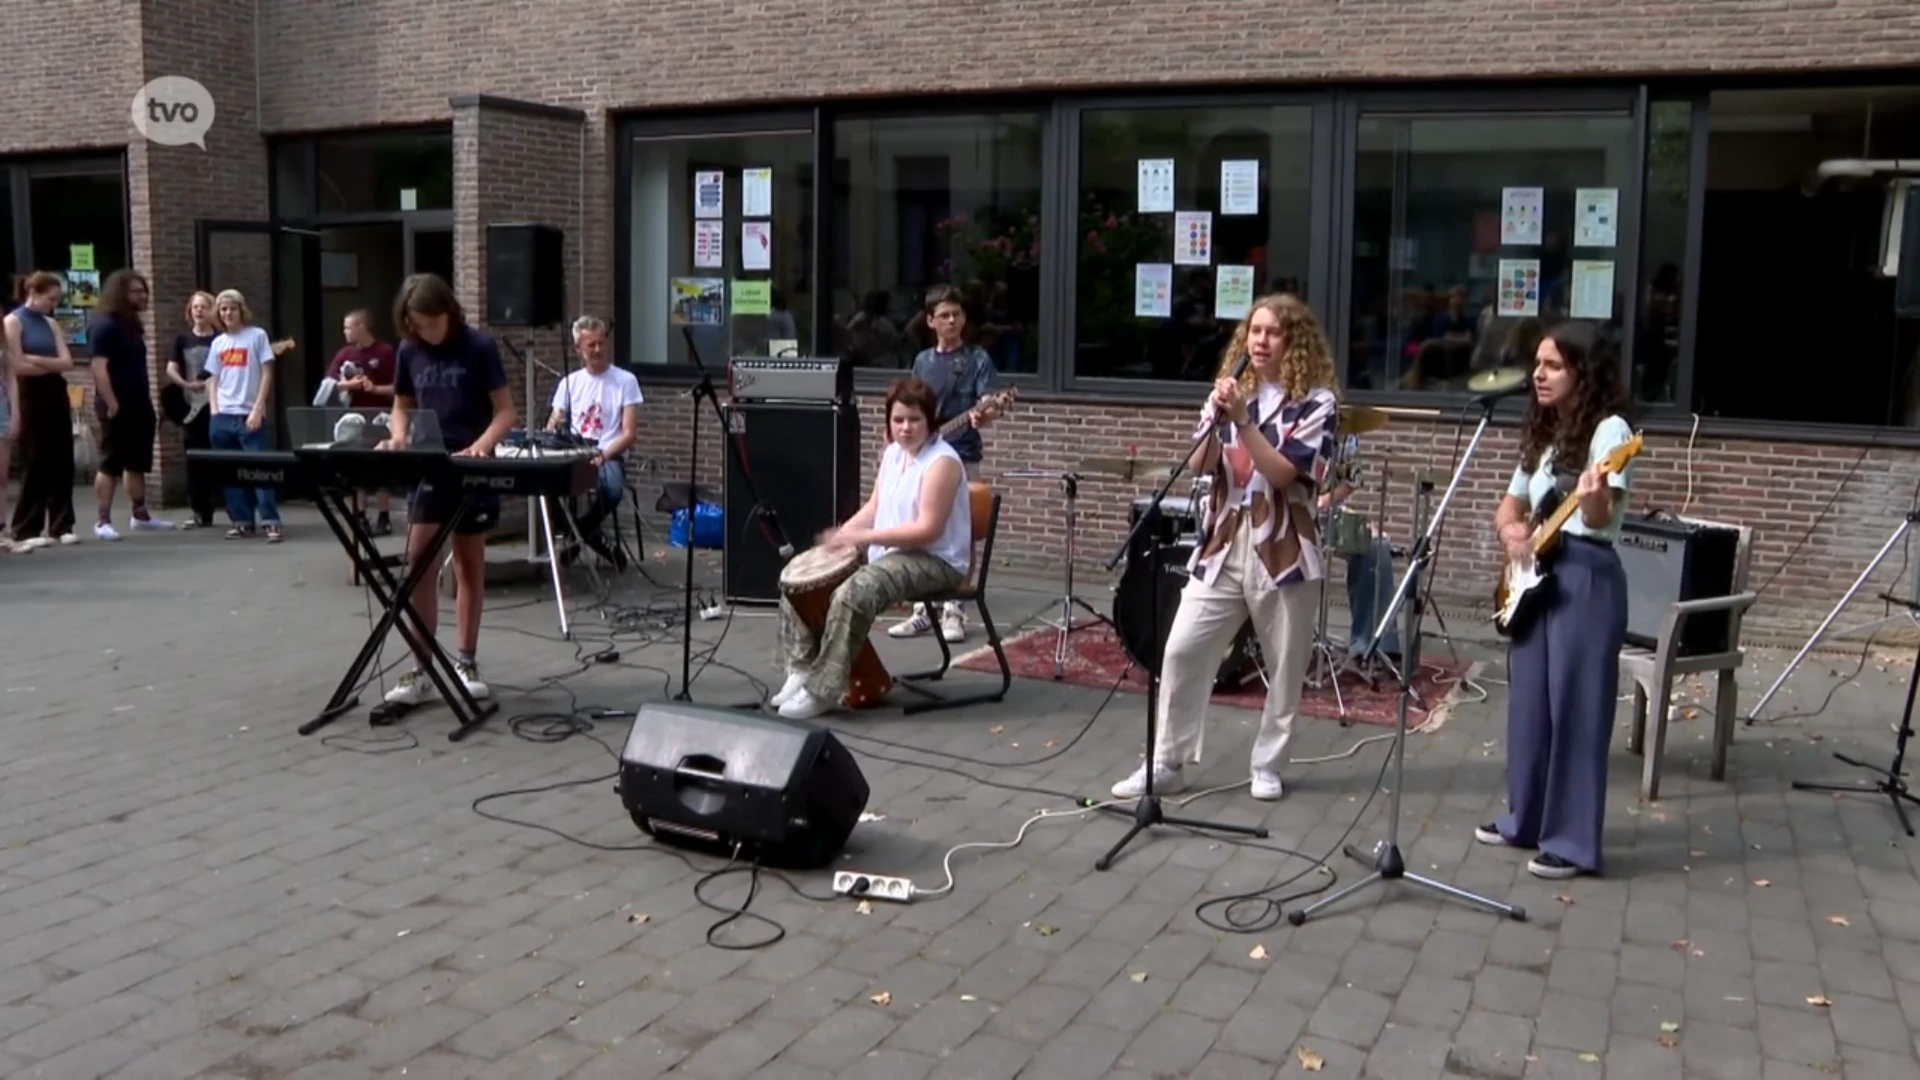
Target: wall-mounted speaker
x=526, y=275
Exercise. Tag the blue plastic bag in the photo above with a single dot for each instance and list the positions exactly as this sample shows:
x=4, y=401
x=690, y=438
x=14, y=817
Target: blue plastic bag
x=708, y=529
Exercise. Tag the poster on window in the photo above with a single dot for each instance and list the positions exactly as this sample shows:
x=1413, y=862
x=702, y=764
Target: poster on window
x=756, y=192
x=1596, y=217
x=1519, y=287
x=1592, y=289
x=756, y=245
x=1232, y=292
x=709, y=194
x=1156, y=186
x=1522, y=212
x=1153, y=290
x=694, y=301
x=83, y=287
x=709, y=245
x=1193, y=238
x=1239, y=188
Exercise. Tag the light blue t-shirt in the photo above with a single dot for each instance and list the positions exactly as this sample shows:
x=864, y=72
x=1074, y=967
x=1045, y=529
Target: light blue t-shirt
x=1533, y=487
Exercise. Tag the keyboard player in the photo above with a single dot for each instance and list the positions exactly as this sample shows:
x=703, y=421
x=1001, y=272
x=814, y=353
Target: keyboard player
x=601, y=404
x=452, y=370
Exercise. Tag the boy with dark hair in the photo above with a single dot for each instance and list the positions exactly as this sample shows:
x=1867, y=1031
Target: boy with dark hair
x=122, y=384
x=960, y=375
x=452, y=370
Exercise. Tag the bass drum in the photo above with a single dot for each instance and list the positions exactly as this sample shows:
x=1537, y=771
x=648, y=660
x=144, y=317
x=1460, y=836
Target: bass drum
x=1145, y=639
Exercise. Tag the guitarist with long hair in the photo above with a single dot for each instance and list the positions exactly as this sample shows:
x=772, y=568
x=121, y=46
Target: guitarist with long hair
x=1564, y=660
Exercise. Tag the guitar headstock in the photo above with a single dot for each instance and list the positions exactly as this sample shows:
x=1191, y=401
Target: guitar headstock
x=995, y=405
x=1618, y=457
x=283, y=346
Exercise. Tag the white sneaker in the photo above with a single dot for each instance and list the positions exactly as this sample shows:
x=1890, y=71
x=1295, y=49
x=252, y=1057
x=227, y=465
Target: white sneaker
x=919, y=624
x=33, y=544
x=1266, y=785
x=953, y=624
x=804, y=706
x=69, y=539
x=151, y=524
x=104, y=531
x=1166, y=780
x=413, y=688
x=795, y=682
x=470, y=675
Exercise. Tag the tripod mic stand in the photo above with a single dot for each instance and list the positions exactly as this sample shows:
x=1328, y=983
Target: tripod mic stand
x=760, y=508
x=1894, y=786
x=1388, y=862
x=1146, y=813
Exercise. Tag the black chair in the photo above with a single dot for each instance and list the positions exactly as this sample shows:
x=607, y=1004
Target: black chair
x=985, y=509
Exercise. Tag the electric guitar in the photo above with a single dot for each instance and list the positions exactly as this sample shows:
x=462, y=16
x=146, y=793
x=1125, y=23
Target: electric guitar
x=1516, y=598
x=197, y=399
x=993, y=406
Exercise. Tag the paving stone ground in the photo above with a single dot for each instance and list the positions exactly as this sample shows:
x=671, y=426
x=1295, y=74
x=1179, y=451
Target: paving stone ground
x=188, y=888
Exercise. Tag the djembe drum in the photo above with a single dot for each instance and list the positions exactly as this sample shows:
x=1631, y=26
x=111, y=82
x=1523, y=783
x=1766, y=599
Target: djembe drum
x=808, y=582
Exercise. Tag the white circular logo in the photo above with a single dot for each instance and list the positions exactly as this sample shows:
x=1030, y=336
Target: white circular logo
x=173, y=110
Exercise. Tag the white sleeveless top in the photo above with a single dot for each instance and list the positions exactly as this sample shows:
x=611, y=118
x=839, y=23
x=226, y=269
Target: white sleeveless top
x=899, y=482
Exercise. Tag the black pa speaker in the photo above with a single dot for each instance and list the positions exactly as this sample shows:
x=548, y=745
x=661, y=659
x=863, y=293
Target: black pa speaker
x=786, y=794
x=526, y=276
x=1667, y=560
x=804, y=460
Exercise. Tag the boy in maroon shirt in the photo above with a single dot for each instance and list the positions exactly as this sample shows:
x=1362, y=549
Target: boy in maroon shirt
x=371, y=387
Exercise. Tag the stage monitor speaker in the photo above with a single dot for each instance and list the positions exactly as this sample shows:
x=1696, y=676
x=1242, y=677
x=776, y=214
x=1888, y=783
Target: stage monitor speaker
x=1906, y=281
x=526, y=276
x=804, y=459
x=785, y=794
x=1669, y=560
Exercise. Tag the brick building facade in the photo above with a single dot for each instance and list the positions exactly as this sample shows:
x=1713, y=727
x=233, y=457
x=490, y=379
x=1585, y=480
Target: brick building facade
x=545, y=104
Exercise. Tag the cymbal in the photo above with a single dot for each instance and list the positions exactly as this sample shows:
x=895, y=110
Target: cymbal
x=1359, y=419
x=1496, y=380
x=1125, y=468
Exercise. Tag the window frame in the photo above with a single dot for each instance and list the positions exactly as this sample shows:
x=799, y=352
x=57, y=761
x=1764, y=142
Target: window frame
x=23, y=169
x=1063, y=236
x=307, y=147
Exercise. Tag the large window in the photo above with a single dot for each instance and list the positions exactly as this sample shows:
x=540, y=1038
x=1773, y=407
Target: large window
x=1186, y=215
x=937, y=200
x=1472, y=233
x=1796, y=320
x=722, y=243
x=384, y=172
x=1663, y=251
x=77, y=222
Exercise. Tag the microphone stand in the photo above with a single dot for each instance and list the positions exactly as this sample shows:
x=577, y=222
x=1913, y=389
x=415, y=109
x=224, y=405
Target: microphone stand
x=760, y=508
x=1388, y=862
x=1146, y=813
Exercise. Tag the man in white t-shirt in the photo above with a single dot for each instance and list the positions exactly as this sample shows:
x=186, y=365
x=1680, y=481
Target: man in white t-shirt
x=599, y=402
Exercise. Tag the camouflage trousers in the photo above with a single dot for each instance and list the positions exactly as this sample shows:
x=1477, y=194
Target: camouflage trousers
x=826, y=659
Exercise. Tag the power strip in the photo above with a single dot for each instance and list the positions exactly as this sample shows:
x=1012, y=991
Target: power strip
x=855, y=883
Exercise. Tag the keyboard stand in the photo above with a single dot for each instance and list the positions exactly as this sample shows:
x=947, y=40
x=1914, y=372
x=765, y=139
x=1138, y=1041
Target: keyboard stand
x=397, y=613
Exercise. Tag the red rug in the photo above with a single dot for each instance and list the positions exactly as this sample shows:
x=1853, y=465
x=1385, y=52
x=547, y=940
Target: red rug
x=1095, y=658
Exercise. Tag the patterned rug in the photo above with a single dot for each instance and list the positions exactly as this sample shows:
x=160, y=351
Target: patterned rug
x=1095, y=658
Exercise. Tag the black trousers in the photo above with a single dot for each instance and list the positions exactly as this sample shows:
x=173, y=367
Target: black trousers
x=46, y=460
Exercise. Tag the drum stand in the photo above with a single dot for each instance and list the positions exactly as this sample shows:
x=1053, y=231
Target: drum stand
x=1070, y=483
x=1323, y=665
x=1388, y=862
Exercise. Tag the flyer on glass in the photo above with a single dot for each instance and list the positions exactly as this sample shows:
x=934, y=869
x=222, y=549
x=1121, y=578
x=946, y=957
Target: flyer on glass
x=709, y=245
x=1193, y=238
x=1152, y=290
x=756, y=245
x=1596, y=217
x=1522, y=211
x=756, y=192
x=709, y=190
x=1239, y=188
x=1156, y=186
x=1519, y=287
x=1592, y=289
x=1232, y=292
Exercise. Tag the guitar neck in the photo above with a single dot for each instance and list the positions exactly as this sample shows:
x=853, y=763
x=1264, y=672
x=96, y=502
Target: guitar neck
x=956, y=425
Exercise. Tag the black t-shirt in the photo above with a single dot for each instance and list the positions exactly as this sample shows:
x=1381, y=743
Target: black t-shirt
x=190, y=354
x=455, y=381
x=124, y=350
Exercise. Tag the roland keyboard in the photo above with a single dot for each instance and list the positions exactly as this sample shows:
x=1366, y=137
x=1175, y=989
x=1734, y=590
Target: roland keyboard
x=280, y=470
x=552, y=476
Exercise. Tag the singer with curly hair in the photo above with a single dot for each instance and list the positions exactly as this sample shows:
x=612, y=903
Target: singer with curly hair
x=1564, y=665
x=1271, y=420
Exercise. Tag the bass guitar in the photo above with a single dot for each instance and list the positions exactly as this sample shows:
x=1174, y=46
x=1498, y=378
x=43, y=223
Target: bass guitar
x=1517, y=596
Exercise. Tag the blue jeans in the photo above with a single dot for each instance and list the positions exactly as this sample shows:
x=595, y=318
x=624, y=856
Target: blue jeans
x=612, y=488
x=1370, y=586
x=230, y=433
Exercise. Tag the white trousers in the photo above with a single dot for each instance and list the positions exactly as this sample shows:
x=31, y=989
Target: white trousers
x=1209, y=616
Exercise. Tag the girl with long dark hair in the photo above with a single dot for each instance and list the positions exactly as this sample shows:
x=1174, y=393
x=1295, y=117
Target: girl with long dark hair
x=1564, y=662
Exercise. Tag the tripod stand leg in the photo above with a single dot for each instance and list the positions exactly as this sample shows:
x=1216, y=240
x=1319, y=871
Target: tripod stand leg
x=553, y=566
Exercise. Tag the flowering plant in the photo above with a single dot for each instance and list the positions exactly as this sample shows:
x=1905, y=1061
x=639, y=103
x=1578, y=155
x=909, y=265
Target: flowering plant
x=990, y=247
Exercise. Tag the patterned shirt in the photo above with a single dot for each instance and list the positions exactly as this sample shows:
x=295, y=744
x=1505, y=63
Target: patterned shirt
x=1286, y=543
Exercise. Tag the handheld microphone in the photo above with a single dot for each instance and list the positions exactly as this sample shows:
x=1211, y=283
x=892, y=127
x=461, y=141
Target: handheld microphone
x=1239, y=369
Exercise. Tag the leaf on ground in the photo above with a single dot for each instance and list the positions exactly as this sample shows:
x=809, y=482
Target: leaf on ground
x=1046, y=931
x=1669, y=1026
x=1838, y=920
x=1590, y=1058
x=1259, y=952
x=1309, y=1060
x=1762, y=882
x=637, y=917
x=1669, y=1041
x=865, y=907
x=969, y=997
x=996, y=729
x=1138, y=976
x=1564, y=898
x=1820, y=1001
x=1681, y=945
x=883, y=998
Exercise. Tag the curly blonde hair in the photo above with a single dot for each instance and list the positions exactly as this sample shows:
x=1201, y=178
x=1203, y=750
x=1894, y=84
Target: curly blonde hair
x=1306, y=360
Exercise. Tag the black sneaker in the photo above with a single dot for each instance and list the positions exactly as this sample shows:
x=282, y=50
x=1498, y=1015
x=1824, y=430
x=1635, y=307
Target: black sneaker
x=1488, y=834
x=1551, y=866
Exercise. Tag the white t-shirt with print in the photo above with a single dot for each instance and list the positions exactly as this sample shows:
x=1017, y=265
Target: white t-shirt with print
x=238, y=363
x=593, y=403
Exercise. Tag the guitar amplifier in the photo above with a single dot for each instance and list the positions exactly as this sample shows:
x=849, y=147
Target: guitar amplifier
x=822, y=379
x=804, y=461
x=1668, y=560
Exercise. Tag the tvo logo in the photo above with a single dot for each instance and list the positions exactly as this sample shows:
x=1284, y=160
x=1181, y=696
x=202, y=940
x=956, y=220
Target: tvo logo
x=173, y=110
